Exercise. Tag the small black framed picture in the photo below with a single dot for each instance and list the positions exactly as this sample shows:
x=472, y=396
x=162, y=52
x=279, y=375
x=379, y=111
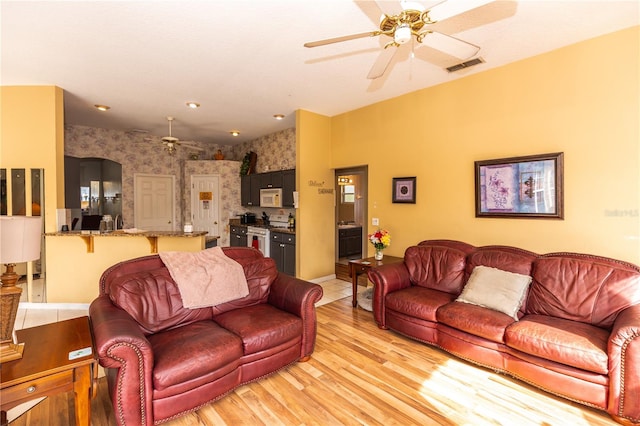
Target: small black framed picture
x=404, y=190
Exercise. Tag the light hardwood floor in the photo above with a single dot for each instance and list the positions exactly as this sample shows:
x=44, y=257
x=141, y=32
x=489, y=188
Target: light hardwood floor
x=357, y=375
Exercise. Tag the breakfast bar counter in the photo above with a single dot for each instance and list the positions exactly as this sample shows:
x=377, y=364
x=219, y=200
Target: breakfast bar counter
x=76, y=259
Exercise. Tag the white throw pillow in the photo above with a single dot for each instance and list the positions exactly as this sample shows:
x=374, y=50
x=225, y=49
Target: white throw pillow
x=496, y=289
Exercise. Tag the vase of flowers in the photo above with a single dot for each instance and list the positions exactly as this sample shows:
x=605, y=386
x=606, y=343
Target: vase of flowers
x=381, y=239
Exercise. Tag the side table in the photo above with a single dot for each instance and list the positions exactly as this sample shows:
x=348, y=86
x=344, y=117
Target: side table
x=46, y=369
x=362, y=266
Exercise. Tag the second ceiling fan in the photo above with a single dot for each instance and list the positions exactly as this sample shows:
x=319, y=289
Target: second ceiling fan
x=403, y=21
x=171, y=143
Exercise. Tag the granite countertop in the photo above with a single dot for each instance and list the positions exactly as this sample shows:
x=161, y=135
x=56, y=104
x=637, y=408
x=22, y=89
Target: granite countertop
x=349, y=226
x=260, y=224
x=283, y=230
x=122, y=233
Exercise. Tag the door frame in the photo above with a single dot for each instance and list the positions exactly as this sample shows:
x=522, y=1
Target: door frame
x=191, y=212
x=136, y=176
x=361, y=214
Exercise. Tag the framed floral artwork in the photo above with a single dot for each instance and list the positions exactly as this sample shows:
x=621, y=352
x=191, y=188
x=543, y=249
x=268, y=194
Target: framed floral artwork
x=404, y=190
x=520, y=187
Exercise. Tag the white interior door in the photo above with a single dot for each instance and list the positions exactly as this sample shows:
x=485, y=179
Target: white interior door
x=205, y=203
x=154, y=202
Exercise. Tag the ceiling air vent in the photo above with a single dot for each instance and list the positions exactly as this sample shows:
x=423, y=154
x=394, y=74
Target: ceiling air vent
x=464, y=65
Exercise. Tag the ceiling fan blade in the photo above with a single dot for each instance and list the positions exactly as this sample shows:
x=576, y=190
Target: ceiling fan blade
x=450, y=45
x=341, y=39
x=390, y=8
x=384, y=59
x=447, y=9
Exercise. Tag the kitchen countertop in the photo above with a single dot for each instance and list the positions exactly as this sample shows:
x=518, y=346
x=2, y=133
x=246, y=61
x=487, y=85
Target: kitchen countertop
x=122, y=233
x=260, y=224
x=350, y=226
x=283, y=230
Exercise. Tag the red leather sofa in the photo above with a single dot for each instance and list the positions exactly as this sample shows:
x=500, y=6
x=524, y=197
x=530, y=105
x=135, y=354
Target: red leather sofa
x=577, y=333
x=163, y=360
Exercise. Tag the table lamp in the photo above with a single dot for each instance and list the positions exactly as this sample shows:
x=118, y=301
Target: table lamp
x=19, y=242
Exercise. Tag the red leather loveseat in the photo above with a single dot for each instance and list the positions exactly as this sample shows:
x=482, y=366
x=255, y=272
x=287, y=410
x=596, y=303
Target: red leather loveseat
x=163, y=360
x=574, y=330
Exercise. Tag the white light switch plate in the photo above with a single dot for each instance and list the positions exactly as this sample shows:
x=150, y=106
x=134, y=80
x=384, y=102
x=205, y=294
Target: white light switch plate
x=375, y=221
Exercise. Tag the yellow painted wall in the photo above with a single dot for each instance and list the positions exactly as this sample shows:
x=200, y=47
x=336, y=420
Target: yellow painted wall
x=582, y=100
x=32, y=137
x=315, y=222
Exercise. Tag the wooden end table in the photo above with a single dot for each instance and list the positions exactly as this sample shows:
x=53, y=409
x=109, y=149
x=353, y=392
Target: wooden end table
x=45, y=368
x=362, y=266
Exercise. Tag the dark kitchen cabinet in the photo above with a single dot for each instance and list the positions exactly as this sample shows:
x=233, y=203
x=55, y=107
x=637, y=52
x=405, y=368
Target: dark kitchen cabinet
x=349, y=241
x=238, y=236
x=283, y=251
x=288, y=187
x=250, y=190
x=271, y=180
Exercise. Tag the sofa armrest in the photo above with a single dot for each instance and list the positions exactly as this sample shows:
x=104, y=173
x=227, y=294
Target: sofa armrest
x=299, y=298
x=386, y=279
x=121, y=345
x=624, y=366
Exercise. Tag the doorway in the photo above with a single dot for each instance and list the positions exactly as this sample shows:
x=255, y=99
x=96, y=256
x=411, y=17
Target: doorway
x=351, y=189
x=93, y=187
x=154, y=204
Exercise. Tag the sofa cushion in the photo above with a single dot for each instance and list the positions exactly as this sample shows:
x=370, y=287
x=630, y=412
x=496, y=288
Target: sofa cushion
x=261, y=327
x=152, y=298
x=201, y=351
x=419, y=302
x=260, y=274
x=507, y=258
x=439, y=268
x=583, y=288
x=496, y=289
x=567, y=342
x=477, y=320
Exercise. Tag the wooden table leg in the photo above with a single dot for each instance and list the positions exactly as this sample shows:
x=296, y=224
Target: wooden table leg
x=82, y=388
x=354, y=287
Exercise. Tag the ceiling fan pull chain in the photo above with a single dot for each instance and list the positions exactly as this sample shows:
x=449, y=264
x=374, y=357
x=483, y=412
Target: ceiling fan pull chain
x=411, y=58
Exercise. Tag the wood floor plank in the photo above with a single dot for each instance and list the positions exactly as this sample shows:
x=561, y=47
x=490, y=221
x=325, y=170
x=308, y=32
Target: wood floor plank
x=358, y=375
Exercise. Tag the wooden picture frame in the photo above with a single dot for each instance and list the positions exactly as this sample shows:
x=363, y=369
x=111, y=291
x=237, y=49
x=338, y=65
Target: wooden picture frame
x=404, y=190
x=521, y=187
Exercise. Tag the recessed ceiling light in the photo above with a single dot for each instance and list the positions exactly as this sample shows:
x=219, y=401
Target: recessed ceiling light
x=102, y=107
x=193, y=105
x=234, y=133
x=278, y=116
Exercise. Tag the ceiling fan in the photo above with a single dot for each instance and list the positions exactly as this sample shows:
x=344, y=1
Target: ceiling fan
x=172, y=143
x=405, y=21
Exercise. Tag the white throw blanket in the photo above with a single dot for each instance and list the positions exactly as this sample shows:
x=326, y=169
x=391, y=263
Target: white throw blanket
x=206, y=278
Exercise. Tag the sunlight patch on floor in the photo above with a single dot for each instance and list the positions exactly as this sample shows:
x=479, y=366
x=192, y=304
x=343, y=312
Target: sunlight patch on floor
x=485, y=398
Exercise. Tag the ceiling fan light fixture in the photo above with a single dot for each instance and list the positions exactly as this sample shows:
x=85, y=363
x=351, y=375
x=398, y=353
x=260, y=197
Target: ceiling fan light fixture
x=234, y=133
x=402, y=34
x=102, y=107
x=193, y=105
x=279, y=116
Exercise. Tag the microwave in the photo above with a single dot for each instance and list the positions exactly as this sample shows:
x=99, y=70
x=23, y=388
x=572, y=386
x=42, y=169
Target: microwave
x=271, y=197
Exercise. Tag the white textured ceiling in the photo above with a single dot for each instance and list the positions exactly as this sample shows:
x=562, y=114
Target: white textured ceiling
x=244, y=60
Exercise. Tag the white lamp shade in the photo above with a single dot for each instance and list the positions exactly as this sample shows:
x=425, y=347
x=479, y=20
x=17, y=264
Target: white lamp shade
x=20, y=238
